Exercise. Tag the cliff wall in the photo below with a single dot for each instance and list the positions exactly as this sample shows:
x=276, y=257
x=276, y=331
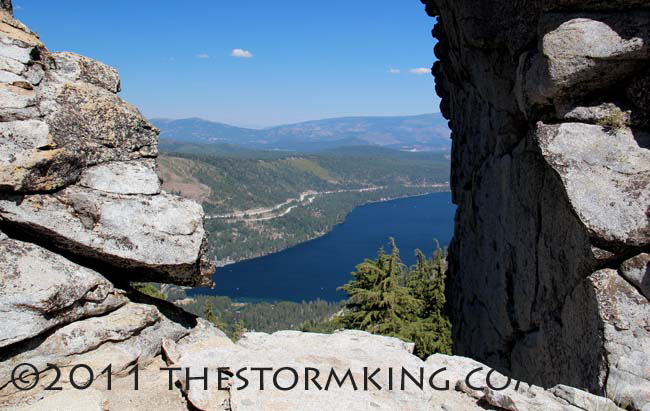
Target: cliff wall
x=548, y=102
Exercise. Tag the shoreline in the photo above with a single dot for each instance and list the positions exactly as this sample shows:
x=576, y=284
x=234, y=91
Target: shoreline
x=227, y=262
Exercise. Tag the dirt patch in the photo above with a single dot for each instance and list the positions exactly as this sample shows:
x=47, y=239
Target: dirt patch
x=177, y=176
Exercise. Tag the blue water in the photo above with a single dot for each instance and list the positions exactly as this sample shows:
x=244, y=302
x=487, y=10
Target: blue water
x=316, y=268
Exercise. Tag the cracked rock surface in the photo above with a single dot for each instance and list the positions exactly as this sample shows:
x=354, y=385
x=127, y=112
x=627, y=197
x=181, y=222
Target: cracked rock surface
x=77, y=167
x=547, y=102
x=82, y=210
x=40, y=290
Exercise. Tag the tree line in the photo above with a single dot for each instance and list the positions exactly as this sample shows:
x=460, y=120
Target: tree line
x=385, y=297
x=388, y=298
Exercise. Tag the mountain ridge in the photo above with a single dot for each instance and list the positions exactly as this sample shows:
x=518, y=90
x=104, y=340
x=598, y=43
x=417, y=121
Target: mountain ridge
x=422, y=132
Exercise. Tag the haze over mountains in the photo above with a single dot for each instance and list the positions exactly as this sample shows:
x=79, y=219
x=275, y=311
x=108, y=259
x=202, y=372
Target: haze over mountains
x=426, y=132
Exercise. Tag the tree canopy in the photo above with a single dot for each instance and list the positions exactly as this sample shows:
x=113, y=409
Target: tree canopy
x=390, y=299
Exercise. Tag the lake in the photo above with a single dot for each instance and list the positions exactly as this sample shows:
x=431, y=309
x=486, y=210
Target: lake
x=314, y=269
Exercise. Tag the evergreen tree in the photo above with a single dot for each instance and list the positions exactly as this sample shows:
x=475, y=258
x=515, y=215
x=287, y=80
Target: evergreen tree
x=387, y=299
x=209, y=315
x=239, y=330
x=378, y=302
x=432, y=331
x=426, y=280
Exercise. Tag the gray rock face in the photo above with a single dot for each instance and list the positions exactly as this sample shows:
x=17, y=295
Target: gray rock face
x=606, y=175
x=7, y=6
x=113, y=129
x=64, y=131
x=132, y=333
x=74, y=68
x=161, y=234
x=40, y=290
x=87, y=400
x=626, y=316
x=205, y=346
x=127, y=177
x=578, y=55
x=637, y=272
x=79, y=195
x=63, y=114
x=24, y=146
x=550, y=171
x=343, y=351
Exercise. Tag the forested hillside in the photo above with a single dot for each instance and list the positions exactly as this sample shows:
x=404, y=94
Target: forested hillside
x=258, y=202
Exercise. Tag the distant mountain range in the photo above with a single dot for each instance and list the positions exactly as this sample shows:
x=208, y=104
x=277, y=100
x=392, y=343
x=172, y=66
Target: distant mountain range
x=426, y=132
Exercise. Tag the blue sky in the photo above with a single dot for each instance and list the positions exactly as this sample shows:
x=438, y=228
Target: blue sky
x=308, y=60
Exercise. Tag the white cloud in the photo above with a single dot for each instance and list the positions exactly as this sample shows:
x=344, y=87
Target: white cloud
x=420, y=70
x=394, y=71
x=202, y=56
x=240, y=53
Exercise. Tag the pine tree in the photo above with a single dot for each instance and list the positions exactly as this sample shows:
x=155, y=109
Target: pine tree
x=432, y=331
x=209, y=315
x=239, y=330
x=387, y=299
x=420, y=280
x=378, y=303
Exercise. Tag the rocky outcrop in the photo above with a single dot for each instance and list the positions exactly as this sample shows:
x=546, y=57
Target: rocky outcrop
x=352, y=351
x=59, y=313
x=77, y=168
x=548, y=105
x=41, y=290
x=82, y=215
x=6, y=6
x=265, y=359
x=160, y=234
